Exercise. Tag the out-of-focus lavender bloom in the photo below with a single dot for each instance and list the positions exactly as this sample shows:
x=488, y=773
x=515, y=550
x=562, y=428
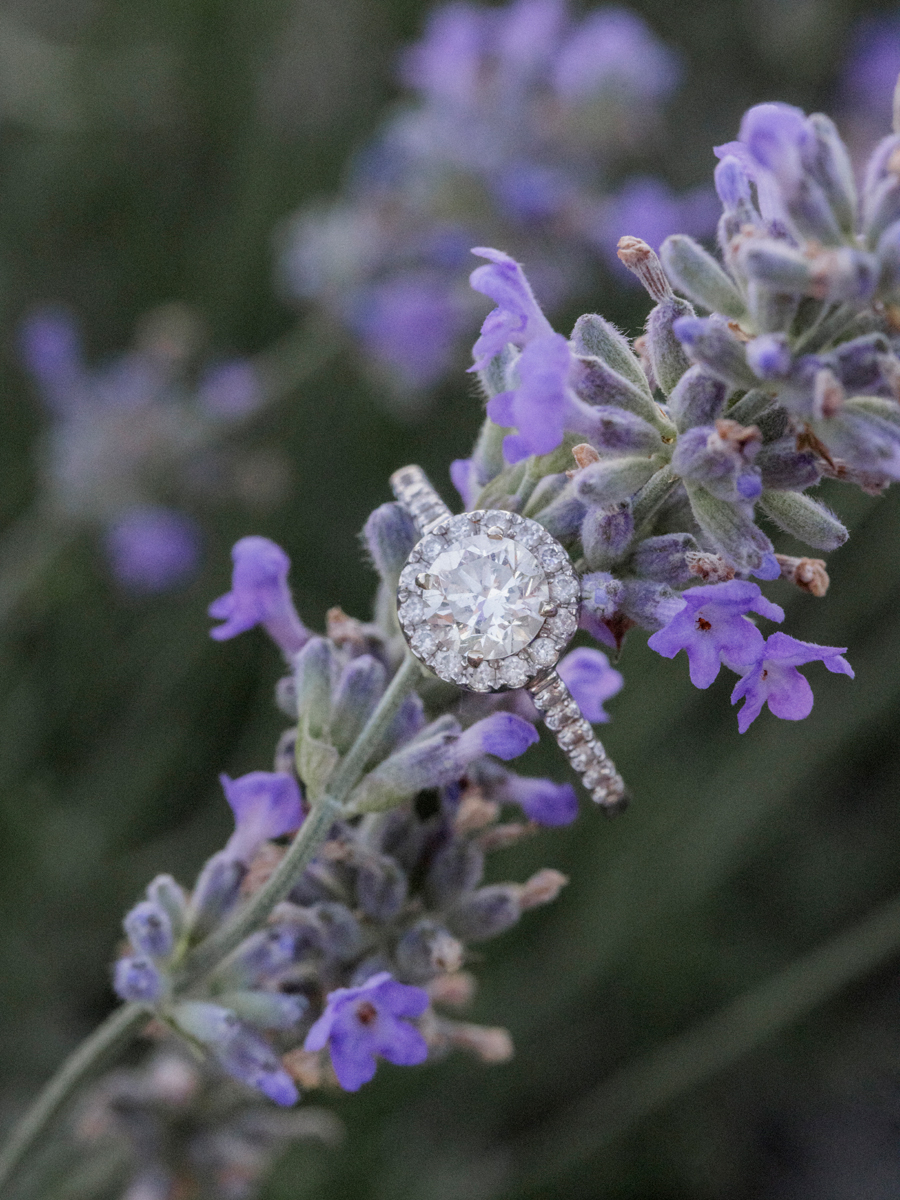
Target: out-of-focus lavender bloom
x=774, y=679
x=867, y=79
x=648, y=208
x=151, y=549
x=591, y=680
x=712, y=628
x=361, y=1024
x=241, y=1051
x=230, y=389
x=541, y=800
x=137, y=980
x=518, y=116
x=259, y=596
x=266, y=804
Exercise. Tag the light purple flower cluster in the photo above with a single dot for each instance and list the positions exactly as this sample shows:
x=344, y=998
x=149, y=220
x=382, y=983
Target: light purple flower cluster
x=517, y=116
x=120, y=430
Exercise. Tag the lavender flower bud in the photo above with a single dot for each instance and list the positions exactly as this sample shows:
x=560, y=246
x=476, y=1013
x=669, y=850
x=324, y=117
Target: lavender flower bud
x=215, y=892
x=381, y=887
x=390, y=535
x=138, y=981
x=776, y=265
x=315, y=671
x=485, y=913
x=265, y=1010
x=342, y=937
x=563, y=516
x=599, y=384
x=732, y=531
x=596, y=337
x=881, y=190
x=263, y=956
x=889, y=262
x=650, y=605
x=602, y=594
x=784, y=468
x=697, y=399
x=709, y=341
x=662, y=559
x=732, y=184
x=699, y=277
x=606, y=534
x=149, y=929
x=804, y=518
x=613, y=480
x=427, y=950
x=834, y=172
x=455, y=869
x=720, y=457
x=667, y=355
x=361, y=685
x=615, y=431
x=170, y=896
x=769, y=355
x=241, y=1051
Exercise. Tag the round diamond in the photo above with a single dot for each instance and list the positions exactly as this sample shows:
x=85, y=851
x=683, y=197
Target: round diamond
x=449, y=667
x=484, y=596
x=552, y=557
x=483, y=678
x=562, y=626
x=515, y=672
x=543, y=652
x=423, y=642
x=430, y=546
x=412, y=610
x=564, y=589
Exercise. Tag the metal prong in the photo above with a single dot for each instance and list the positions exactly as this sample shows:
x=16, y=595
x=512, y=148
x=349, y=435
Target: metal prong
x=495, y=533
x=423, y=580
x=474, y=660
x=548, y=610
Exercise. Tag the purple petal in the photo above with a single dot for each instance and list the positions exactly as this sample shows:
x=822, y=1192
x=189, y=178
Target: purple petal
x=517, y=318
x=542, y=800
x=502, y=734
x=266, y=804
x=591, y=680
x=151, y=549
x=403, y=1045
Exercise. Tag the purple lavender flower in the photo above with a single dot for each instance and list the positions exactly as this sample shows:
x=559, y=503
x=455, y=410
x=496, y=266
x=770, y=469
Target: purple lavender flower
x=871, y=67
x=464, y=475
x=137, y=980
x=151, y=549
x=712, y=628
x=613, y=49
x=241, y=1051
x=774, y=679
x=648, y=208
x=361, y=1023
x=230, y=390
x=445, y=64
x=541, y=800
x=502, y=734
x=591, y=680
x=517, y=319
x=51, y=349
x=266, y=804
x=540, y=407
x=259, y=596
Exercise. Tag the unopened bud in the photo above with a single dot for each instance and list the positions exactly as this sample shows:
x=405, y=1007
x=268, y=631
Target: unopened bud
x=265, y=1010
x=361, y=685
x=149, y=929
x=490, y=1045
x=713, y=343
x=455, y=990
x=664, y=559
x=389, y=534
x=606, y=534
x=455, y=869
x=804, y=518
x=171, y=896
x=381, y=887
x=699, y=277
x=807, y=573
x=593, y=335
x=542, y=888
x=216, y=890
x=641, y=260
x=426, y=950
x=613, y=480
x=474, y=812
x=697, y=399
x=137, y=980
x=485, y=913
x=668, y=359
x=584, y=454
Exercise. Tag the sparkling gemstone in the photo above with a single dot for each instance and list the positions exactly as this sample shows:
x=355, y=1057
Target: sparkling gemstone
x=515, y=672
x=484, y=597
x=564, y=589
x=483, y=678
x=412, y=610
x=562, y=626
x=423, y=642
x=552, y=557
x=449, y=666
x=543, y=652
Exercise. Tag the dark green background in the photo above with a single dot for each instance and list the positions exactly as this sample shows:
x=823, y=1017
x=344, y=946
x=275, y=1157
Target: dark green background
x=739, y=854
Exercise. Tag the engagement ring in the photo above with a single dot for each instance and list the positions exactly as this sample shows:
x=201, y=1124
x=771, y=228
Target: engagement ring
x=488, y=600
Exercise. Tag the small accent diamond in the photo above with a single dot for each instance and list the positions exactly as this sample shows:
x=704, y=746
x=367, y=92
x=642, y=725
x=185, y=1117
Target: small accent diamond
x=514, y=671
x=543, y=652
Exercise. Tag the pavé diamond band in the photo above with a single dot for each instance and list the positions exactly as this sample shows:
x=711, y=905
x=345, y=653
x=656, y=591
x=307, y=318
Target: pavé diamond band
x=488, y=600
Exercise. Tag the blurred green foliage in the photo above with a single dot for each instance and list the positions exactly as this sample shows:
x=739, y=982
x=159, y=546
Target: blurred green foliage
x=147, y=150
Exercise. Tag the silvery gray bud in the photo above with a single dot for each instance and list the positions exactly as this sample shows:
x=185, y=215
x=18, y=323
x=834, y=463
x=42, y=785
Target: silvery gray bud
x=381, y=887
x=427, y=950
x=315, y=674
x=486, y=913
x=456, y=868
x=697, y=399
x=597, y=337
x=889, y=262
x=776, y=265
x=598, y=384
x=614, y=431
x=785, y=468
x=359, y=689
x=710, y=342
x=265, y=955
x=215, y=892
x=342, y=937
x=663, y=560
x=667, y=355
x=804, y=518
x=149, y=929
x=402, y=837
x=265, y=1010
x=834, y=172
x=881, y=190
x=168, y=894
x=545, y=493
x=698, y=276
x=612, y=481
x=563, y=516
x=772, y=312
x=730, y=528
x=390, y=534
x=650, y=605
x=606, y=534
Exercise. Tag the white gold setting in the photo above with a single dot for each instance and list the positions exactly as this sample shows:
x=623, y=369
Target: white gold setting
x=488, y=600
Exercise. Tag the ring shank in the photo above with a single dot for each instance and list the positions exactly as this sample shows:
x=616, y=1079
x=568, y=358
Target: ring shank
x=412, y=489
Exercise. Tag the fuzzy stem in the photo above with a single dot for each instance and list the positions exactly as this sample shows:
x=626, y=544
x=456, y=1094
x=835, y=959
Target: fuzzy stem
x=684, y=1062
x=116, y=1031
x=120, y=1027
x=651, y=498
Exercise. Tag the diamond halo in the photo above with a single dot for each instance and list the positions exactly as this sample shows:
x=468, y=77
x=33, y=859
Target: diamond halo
x=488, y=600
